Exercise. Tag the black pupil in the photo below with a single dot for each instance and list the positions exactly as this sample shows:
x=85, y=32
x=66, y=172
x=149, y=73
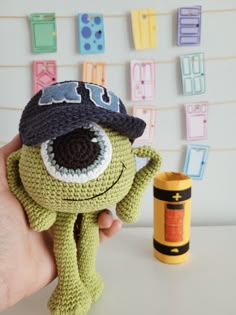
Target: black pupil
x=75, y=150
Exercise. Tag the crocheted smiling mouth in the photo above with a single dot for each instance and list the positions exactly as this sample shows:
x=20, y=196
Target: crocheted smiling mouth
x=102, y=193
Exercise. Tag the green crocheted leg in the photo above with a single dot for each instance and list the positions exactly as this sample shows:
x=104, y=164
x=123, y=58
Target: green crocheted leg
x=128, y=208
x=39, y=218
x=70, y=296
x=87, y=248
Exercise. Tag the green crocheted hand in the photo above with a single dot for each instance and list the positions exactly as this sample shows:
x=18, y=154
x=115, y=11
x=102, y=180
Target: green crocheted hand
x=73, y=207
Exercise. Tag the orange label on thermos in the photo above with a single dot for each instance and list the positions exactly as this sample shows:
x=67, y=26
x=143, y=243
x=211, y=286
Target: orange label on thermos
x=174, y=221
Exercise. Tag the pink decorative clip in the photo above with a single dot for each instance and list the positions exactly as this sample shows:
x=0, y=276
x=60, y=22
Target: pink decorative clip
x=148, y=114
x=44, y=74
x=142, y=80
x=196, y=120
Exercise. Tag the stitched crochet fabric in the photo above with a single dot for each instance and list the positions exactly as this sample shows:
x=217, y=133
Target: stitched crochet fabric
x=77, y=159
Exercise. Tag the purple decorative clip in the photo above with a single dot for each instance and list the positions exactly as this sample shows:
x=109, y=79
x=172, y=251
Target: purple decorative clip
x=189, y=26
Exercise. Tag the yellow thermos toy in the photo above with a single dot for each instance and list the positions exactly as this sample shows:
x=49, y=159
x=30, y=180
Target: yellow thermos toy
x=172, y=216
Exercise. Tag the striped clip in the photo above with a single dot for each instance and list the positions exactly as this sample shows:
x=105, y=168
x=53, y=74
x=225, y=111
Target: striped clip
x=189, y=26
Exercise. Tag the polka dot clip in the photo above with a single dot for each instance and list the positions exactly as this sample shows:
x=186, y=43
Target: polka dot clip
x=91, y=33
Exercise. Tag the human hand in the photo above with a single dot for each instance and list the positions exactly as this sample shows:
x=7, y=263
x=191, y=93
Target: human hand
x=26, y=257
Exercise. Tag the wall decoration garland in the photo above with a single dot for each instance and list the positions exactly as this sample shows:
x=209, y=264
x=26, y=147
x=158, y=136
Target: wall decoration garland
x=91, y=39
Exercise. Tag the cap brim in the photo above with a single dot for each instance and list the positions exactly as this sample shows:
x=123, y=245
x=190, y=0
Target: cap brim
x=63, y=119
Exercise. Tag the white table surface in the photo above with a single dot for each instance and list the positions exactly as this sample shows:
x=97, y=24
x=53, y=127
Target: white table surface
x=137, y=283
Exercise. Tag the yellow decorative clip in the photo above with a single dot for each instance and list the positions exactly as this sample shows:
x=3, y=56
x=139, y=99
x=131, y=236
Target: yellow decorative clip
x=144, y=26
x=94, y=72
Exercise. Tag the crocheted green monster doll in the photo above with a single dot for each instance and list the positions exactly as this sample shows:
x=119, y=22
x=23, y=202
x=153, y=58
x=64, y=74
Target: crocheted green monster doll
x=77, y=159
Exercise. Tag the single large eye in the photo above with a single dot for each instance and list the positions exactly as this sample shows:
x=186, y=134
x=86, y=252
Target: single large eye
x=79, y=156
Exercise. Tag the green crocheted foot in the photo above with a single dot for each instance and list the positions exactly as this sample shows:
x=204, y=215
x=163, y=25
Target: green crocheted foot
x=95, y=286
x=69, y=304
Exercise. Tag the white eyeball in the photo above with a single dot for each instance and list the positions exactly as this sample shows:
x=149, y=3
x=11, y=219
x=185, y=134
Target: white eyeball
x=79, y=156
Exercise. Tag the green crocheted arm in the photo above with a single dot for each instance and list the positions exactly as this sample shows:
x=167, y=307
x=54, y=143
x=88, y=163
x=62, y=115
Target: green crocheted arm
x=40, y=219
x=128, y=209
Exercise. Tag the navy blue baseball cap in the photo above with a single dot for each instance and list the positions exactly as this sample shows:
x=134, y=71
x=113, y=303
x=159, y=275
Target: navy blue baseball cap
x=63, y=107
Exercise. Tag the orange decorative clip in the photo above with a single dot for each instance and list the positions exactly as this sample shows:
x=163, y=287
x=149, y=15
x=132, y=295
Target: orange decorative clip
x=94, y=72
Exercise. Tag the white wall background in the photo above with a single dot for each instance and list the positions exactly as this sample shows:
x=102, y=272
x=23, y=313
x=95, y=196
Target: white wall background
x=213, y=197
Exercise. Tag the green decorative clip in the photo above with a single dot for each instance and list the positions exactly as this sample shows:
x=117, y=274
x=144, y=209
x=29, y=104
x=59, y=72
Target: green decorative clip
x=44, y=36
x=193, y=74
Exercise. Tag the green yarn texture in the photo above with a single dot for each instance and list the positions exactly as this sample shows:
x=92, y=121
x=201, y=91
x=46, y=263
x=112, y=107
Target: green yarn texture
x=48, y=201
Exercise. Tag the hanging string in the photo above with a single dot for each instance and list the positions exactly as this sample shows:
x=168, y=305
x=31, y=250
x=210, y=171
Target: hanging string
x=157, y=107
x=210, y=149
x=14, y=66
x=229, y=10
x=228, y=102
x=10, y=108
x=172, y=150
x=114, y=64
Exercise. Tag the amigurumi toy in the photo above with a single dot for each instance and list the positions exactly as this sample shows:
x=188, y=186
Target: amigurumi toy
x=77, y=159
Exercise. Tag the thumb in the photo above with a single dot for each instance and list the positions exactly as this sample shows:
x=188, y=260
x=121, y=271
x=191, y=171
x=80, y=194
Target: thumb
x=6, y=150
x=10, y=147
